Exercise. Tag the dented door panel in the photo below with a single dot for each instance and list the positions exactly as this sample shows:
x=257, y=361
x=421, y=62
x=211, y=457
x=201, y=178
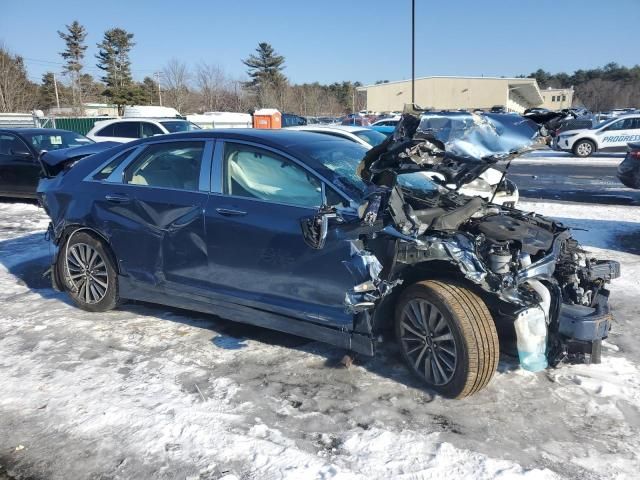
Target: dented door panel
x=258, y=256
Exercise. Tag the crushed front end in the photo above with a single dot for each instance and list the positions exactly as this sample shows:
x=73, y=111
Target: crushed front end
x=538, y=283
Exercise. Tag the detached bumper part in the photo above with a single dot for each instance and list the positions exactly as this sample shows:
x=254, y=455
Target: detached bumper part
x=582, y=330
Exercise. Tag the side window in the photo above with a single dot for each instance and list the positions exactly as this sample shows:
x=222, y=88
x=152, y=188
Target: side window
x=6, y=143
x=256, y=173
x=615, y=126
x=111, y=166
x=636, y=124
x=149, y=130
x=167, y=165
x=106, y=131
x=126, y=129
x=627, y=123
x=10, y=146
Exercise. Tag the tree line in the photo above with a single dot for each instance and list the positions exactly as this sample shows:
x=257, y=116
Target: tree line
x=188, y=88
x=598, y=89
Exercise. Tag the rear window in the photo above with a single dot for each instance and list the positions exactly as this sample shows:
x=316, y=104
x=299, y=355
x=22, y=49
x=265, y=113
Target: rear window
x=126, y=130
x=176, y=126
x=105, y=132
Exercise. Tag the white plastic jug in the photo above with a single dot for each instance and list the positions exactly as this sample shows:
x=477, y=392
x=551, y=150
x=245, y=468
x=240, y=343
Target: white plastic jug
x=531, y=330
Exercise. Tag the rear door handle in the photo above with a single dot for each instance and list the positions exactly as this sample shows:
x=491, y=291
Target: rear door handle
x=230, y=212
x=117, y=198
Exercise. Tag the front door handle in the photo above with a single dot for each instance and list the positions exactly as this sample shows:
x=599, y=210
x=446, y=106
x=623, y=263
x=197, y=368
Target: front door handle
x=228, y=212
x=117, y=198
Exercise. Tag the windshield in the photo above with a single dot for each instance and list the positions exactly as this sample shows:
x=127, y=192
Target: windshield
x=372, y=137
x=342, y=157
x=176, y=126
x=56, y=140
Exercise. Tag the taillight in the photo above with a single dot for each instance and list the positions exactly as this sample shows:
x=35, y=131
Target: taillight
x=634, y=154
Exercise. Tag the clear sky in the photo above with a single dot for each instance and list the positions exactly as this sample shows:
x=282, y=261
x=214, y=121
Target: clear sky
x=334, y=40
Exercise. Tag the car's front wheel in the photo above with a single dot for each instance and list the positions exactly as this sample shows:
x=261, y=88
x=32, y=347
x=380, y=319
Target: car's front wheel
x=88, y=273
x=448, y=337
x=583, y=148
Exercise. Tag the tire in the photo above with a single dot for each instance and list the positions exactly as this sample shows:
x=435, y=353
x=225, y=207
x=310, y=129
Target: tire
x=465, y=357
x=584, y=148
x=87, y=272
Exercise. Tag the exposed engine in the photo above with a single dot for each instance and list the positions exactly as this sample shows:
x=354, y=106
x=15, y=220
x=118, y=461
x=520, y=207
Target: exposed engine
x=533, y=272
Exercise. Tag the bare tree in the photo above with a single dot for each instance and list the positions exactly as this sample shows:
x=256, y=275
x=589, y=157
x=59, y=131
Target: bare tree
x=213, y=84
x=17, y=93
x=175, y=78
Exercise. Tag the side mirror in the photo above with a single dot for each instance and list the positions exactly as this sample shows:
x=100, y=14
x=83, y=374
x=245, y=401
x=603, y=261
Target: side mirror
x=316, y=228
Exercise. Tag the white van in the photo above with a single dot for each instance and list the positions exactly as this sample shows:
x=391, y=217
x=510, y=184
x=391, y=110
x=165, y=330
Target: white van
x=222, y=120
x=150, y=111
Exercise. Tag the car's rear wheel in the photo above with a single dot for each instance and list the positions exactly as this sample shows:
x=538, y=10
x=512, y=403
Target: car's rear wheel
x=88, y=273
x=584, y=148
x=448, y=337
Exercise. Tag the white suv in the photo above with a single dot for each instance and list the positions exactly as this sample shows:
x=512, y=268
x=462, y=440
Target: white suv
x=128, y=129
x=612, y=136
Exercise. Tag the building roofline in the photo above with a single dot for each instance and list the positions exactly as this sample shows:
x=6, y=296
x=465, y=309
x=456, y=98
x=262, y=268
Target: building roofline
x=448, y=76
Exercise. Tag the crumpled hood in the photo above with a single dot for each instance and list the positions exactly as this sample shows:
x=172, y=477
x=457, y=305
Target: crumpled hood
x=53, y=162
x=458, y=145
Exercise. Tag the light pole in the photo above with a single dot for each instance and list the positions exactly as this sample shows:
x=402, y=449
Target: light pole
x=157, y=75
x=413, y=51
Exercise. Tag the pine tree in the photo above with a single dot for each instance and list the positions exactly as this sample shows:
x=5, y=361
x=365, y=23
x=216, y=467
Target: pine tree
x=113, y=59
x=47, y=91
x=265, y=71
x=74, y=54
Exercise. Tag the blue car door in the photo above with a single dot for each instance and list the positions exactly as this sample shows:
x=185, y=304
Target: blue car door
x=152, y=208
x=257, y=253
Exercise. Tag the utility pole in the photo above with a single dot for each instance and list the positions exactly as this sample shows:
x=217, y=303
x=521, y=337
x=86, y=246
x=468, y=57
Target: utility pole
x=413, y=51
x=157, y=75
x=55, y=88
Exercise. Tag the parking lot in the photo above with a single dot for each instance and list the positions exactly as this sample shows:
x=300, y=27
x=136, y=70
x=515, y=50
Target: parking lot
x=152, y=392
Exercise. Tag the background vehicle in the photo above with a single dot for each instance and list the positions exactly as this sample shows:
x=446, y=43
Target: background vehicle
x=291, y=120
x=366, y=137
x=127, y=130
x=19, y=150
x=612, y=135
x=355, y=120
x=387, y=122
x=385, y=130
x=629, y=168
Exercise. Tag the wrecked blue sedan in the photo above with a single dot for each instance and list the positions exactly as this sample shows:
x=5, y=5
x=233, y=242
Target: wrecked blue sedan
x=315, y=236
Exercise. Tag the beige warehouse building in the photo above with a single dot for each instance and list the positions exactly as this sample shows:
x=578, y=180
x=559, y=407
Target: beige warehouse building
x=557, y=98
x=453, y=93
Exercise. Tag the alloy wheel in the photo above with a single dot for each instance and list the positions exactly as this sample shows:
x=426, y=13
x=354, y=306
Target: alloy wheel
x=584, y=149
x=428, y=341
x=87, y=273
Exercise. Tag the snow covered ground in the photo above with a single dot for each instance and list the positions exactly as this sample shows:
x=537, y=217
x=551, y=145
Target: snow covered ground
x=150, y=392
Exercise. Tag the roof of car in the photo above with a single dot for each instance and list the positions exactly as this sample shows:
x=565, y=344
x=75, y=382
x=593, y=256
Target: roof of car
x=344, y=128
x=280, y=138
x=34, y=131
x=146, y=119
